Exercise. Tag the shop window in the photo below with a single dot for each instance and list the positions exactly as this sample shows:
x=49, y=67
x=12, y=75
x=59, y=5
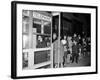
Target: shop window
x=36, y=40
x=37, y=25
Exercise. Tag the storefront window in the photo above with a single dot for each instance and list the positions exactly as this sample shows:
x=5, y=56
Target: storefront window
x=47, y=28
x=36, y=39
x=42, y=32
x=37, y=25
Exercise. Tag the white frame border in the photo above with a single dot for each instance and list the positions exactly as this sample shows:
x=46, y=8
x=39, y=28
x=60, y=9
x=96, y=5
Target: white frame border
x=67, y=70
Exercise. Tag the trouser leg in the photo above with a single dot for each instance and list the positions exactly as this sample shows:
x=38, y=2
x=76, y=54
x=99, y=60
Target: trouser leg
x=77, y=56
x=73, y=57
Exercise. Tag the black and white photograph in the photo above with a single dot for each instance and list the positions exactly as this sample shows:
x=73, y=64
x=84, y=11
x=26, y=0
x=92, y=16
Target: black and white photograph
x=71, y=41
x=54, y=39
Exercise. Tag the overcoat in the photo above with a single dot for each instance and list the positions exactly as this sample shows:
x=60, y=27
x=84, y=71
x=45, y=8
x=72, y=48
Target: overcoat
x=58, y=52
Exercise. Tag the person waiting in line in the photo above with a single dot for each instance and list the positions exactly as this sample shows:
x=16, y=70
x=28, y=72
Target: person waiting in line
x=61, y=54
x=70, y=44
x=80, y=51
x=57, y=54
x=55, y=50
x=79, y=46
x=64, y=42
x=75, y=52
x=68, y=59
x=84, y=45
x=79, y=40
x=88, y=46
x=75, y=37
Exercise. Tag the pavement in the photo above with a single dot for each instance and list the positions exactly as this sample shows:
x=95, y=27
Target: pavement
x=83, y=61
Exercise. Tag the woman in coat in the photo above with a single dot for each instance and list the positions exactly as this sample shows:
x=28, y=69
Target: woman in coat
x=58, y=52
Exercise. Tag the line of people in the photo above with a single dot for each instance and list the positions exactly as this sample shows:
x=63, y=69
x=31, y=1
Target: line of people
x=72, y=48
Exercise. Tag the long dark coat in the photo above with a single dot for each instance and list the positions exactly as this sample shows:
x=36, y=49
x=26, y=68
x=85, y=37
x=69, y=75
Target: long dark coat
x=58, y=52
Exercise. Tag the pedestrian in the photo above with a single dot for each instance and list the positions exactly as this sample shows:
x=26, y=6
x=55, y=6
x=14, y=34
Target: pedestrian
x=84, y=45
x=55, y=51
x=75, y=52
x=61, y=55
x=80, y=51
x=65, y=42
x=68, y=60
x=75, y=37
x=58, y=52
x=70, y=43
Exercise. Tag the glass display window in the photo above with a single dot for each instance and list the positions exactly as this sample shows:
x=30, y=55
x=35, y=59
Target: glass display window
x=36, y=39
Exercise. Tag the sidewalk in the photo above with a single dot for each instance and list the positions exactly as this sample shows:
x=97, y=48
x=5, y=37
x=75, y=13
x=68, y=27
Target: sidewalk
x=84, y=61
